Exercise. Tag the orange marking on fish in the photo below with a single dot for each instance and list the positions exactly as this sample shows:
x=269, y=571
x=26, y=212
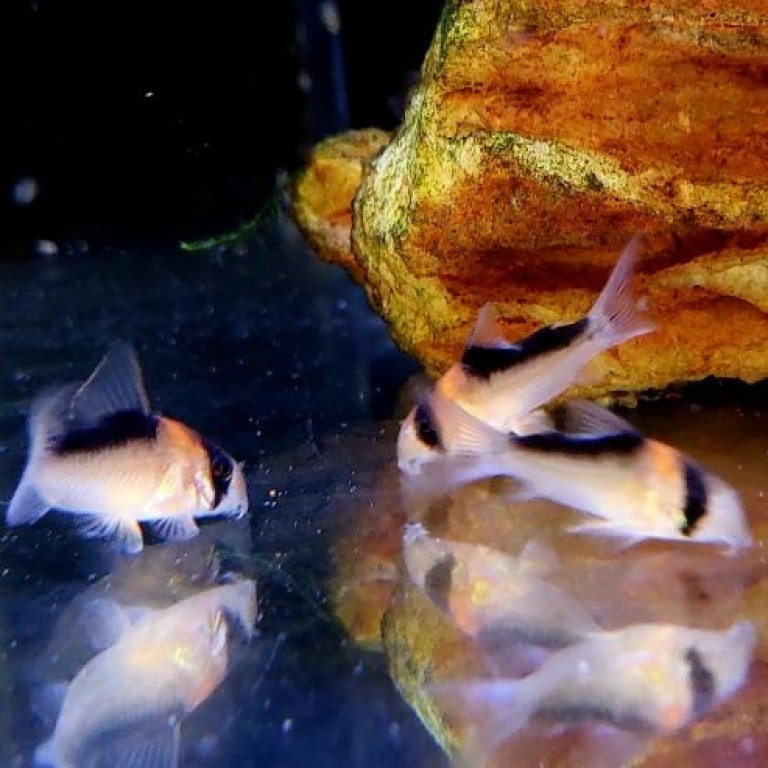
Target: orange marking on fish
x=664, y=459
x=180, y=435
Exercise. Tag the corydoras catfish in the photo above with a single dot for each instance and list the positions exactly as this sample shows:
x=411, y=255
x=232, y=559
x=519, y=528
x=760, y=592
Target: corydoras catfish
x=126, y=705
x=504, y=384
x=98, y=451
x=636, y=487
x=493, y=597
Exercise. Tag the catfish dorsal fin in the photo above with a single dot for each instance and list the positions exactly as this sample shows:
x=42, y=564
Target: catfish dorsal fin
x=583, y=417
x=487, y=332
x=115, y=385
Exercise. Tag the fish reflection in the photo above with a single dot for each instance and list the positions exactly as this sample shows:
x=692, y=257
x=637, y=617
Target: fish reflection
x=638, y=487
x=125, y=706
x=648, y=678
x=504, y=384
x=491, y=596
x=97, y=451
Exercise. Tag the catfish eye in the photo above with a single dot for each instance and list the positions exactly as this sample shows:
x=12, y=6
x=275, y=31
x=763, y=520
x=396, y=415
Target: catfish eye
x=221, y=465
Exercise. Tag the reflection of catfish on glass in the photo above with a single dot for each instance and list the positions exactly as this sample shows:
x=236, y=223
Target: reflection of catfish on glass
x=649, y=678
x=493, y=597
x=97, y=451
x=504, y=384
x=130, y=699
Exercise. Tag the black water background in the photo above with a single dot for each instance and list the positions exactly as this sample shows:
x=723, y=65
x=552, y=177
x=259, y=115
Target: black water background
x=278, y=357
x=156, y=120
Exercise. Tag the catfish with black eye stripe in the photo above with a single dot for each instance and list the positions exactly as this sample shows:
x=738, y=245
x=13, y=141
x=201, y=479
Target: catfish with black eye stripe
x=494, y=598
x=98, y=452
x=637, y=488
x=506, y=384
x=644, y=678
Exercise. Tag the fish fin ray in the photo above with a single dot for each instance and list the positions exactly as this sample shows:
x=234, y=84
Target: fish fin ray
x=165, y=498
x=487, y=331
x=143, y=747
x=115, y=385
x=464, y=434
x=584, y=417
x=533, y=422
x=175, y=528
x=125, y=531
x=616, y=314
x=27, y=505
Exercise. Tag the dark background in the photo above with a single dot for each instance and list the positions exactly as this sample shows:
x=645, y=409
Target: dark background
x=162, y=120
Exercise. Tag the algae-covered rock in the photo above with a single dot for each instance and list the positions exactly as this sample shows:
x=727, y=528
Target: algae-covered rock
x=325, y=189
x=541, y=137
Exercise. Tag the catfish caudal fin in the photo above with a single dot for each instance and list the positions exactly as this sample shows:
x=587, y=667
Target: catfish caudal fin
x=47, y=421
x=487, y=711
x=115, y=385
x=616, y=316
x=583, y=417
x=27, y=505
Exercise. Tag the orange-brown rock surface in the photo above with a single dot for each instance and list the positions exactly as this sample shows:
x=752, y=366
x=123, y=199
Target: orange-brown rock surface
x=324, y=206
x=541, y=137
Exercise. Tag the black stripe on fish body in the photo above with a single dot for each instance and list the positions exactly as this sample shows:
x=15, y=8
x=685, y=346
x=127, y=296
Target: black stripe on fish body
x=438, y=581
x=483, y=362
x=575, y=713
x=110, y=431
x=500, y=635
x=222, y=467
x=623, y=443
x=426, y=426
x=696, y=497
x=701, y=680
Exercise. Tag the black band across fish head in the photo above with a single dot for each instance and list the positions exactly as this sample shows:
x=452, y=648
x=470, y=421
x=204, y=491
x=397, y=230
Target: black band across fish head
x=438, y=581
x=701, y=681
x=696, y=497
x=222, y=468
x=425, y=425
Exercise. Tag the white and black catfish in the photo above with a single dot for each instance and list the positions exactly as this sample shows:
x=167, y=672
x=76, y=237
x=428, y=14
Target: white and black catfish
x=98, y=451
